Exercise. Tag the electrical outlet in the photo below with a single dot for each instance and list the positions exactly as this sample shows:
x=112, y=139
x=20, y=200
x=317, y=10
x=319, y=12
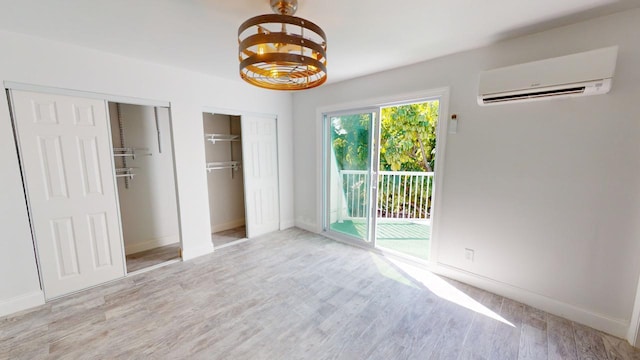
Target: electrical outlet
x=468, y=254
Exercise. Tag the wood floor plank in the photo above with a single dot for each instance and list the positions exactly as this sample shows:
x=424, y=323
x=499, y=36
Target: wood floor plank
x=378, y=338
x=452, y=336
x=506, y=337
x=224, y=237
x=144, y=259
x=477, y=344
x=562, y=343
x=589, y=343
x=295, y=295
x=533, y=339
x=421, y=343
x=468, y=354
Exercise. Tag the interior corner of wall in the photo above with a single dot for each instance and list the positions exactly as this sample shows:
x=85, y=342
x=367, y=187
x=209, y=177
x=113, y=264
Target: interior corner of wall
x=304, y=224
x=286, y=224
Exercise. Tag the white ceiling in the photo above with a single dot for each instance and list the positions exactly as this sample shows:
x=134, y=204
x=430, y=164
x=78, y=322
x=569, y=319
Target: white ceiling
x=364, y=36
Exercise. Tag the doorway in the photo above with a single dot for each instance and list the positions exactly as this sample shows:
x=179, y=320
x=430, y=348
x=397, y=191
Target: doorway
x=144, y=172
x=384, y=156
x=242, y=171
x=225, y=178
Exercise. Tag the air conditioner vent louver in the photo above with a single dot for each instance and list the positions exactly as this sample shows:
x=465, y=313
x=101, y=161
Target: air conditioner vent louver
x=587, y=73
x=539, y=94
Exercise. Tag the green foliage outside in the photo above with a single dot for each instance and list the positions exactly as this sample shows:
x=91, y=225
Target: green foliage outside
x=407, y=143
x=408, y=138
x=350, y=140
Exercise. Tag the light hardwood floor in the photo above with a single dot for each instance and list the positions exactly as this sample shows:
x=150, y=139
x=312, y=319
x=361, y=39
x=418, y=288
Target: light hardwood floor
x=228, y=236
x=145, y=259
x=296, y=295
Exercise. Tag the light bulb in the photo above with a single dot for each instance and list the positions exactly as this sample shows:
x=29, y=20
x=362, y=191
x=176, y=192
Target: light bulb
x=265, y=48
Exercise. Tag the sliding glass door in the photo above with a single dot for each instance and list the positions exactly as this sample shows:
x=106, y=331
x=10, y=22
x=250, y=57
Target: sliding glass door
x=379, y=169
x=349, y=160
x=406, y=177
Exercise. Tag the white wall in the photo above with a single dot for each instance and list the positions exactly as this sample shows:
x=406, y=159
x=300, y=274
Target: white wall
x=547, y=193
x=226, y=192
x=148, y=208
x=42, y=62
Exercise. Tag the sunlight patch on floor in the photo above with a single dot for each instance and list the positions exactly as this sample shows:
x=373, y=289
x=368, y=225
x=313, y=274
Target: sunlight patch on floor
x=391, y=272
x=418, y=277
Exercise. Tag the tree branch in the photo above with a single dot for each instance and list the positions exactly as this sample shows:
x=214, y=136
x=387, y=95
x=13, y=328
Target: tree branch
x=424, y=154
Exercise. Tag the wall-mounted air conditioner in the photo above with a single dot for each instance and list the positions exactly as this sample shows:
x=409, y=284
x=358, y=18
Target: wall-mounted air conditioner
x=587, y=73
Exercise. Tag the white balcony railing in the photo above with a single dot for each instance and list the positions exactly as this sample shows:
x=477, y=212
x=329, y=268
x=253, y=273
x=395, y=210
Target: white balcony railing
x=401, y=195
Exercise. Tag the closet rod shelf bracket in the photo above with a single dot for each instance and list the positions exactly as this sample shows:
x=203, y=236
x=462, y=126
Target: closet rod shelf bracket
x=127, y=172
x=213, y=138
x=132, y=152
x=235, y=165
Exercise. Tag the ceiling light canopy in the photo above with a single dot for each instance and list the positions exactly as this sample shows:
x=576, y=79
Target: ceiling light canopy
x=282, y=52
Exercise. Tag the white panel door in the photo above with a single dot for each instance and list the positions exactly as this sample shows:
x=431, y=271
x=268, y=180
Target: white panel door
x=260, y=164
x=67, y=166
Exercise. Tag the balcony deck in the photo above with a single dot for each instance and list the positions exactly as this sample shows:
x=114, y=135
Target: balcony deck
x=408, y=237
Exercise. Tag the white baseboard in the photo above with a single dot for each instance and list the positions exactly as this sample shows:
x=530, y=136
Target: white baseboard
x=285, y=224
x=613, y=326
x=136, y=247
x=22, y=302
x=189, y=253
x=311, y=227
x=227, y=226
x=633, y=334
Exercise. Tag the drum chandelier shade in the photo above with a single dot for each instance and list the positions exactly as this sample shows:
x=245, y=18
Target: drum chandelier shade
x=282, y=52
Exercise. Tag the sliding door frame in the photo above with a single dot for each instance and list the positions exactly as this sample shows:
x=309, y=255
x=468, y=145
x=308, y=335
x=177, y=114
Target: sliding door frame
x=440, y=94
x=373, y=158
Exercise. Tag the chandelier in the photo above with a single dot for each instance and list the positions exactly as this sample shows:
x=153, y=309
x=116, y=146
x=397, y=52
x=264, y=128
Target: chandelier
x=282, y=52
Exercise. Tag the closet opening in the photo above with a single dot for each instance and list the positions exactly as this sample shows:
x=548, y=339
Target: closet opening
x=145, y=177
x=225, y=178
